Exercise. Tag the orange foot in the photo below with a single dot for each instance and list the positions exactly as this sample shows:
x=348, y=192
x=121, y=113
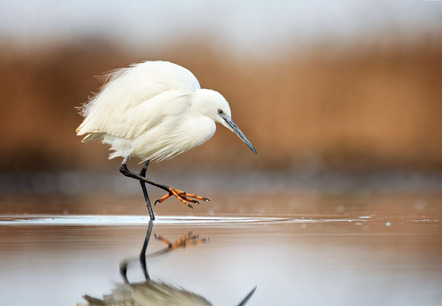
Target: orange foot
x=182, y=196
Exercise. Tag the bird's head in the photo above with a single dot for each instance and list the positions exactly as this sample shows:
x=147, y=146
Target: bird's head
x=213, y=105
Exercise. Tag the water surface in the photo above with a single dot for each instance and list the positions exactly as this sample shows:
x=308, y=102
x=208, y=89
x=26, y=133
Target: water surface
x=321, y=260
x=300, y=240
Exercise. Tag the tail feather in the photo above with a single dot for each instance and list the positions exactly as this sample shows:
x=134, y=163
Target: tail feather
x=92, y=136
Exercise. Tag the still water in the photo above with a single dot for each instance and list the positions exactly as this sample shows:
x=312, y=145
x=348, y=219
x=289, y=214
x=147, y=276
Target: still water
x=319, y=260
x=296, y=247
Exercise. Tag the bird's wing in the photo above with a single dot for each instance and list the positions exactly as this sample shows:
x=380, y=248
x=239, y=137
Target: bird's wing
x=137, y=98
x=137, y=119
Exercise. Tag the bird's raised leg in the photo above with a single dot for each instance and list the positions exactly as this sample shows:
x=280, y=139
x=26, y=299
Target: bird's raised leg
x=146, y=195
x=182, y=196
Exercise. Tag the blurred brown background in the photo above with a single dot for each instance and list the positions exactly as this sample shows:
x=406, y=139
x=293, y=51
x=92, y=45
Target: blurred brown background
x=365, y=103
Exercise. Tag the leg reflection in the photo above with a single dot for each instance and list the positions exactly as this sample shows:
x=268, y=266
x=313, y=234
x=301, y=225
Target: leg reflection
x=151, y=292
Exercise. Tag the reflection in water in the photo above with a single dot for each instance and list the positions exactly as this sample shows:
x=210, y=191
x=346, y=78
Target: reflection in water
x=151, y=292
x=362, y=256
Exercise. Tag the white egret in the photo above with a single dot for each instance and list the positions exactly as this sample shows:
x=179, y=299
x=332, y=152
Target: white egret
x=154, y=111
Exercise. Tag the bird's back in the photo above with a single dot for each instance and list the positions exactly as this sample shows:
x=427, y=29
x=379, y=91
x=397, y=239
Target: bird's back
x=115, y=110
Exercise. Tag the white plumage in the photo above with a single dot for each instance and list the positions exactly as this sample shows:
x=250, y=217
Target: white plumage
x=154, y=111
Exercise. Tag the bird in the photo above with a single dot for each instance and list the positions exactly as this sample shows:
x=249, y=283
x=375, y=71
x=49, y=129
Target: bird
x=154, y=111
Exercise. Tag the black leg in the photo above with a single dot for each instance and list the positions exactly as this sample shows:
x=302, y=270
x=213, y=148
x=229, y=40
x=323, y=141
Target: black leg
x=146, y=195
x=143, y=180
x=182, y=196
x=126, y=172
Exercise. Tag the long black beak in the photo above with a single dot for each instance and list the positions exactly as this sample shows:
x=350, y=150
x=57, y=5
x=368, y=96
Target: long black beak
x=235, y=128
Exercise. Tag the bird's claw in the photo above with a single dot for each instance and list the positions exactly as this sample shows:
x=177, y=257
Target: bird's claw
x=189, y=200
x=183, y=197
x=161, y=200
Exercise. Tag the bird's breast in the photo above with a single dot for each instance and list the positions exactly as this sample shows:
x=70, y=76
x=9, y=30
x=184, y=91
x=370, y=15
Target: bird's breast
x=197, y=130
x=168, y=140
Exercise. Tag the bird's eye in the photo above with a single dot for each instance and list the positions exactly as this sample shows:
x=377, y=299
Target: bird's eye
x=220, y=111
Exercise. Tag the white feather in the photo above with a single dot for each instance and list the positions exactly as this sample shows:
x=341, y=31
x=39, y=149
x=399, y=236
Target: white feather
x=152, y=110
